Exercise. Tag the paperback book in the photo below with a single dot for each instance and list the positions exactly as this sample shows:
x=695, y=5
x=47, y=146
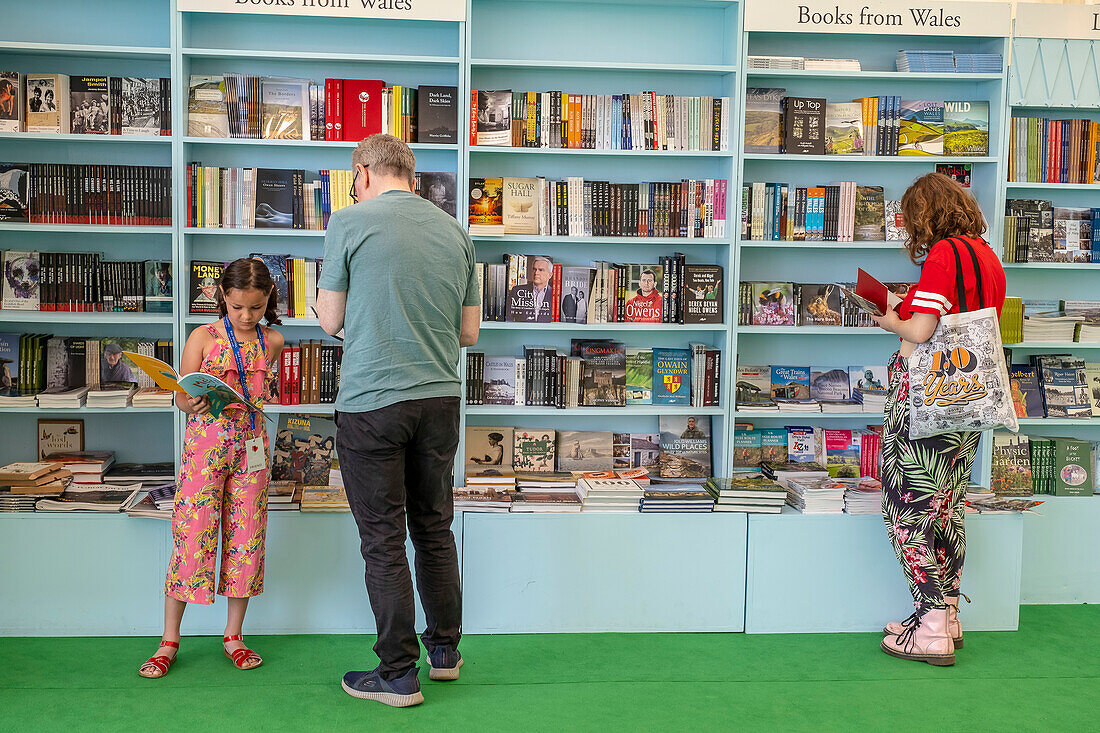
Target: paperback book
x=304, y=449
x=685, y=446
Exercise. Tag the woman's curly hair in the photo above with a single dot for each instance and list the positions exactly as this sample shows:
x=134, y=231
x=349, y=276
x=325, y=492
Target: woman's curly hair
x=937, y=207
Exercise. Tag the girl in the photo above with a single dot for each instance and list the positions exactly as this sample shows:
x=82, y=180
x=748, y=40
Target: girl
x=924, y=481
x=224, y=472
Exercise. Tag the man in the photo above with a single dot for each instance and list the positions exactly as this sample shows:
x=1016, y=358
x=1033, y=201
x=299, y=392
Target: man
x=113, y=368
x=569, y=306
x=692, y=432
x=646, y=305
x=531, y=302
x=400, y=279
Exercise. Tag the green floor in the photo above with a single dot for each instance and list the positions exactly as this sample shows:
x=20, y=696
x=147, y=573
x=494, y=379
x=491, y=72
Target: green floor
x=1040, y=678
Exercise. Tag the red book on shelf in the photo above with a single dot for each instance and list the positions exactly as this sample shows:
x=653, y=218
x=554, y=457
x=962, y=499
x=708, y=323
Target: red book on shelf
x=337, y=109
x=362, y=108
x=473, y=117
x=555, y=295
x=328, y=109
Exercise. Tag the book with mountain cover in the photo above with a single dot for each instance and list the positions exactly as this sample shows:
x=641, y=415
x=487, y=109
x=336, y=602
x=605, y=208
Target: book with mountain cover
x=206, y=108
x=966, y=128
x=920, y=130
x=829, y=384
x=843, y=128
x=764, y=120
x=639, y=376
x=671, y=376
x=685, y=446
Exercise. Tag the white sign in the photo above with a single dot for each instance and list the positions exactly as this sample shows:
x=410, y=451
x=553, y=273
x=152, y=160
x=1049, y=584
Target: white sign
x=393, y=9
x=1039, y=20
x=887, y=17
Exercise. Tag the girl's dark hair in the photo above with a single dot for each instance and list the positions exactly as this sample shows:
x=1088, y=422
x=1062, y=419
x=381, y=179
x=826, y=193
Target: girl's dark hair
x=937, y=207
x=248, y=273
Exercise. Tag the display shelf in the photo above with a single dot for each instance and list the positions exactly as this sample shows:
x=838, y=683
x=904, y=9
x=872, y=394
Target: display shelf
x=603, y=66
x=795, y=417
x=22, y=226
x=291, y=55
x=287, y=322
x=788, y=244
x=54, y=137
x=226, y=231
x=824, y=159
x=319, y=409
x=10, y=316
x=583, y=327
x=628, y=411
x=1049, y=265
x=503, y=149
x=86, y=50
x=815, y=331
x=1035, y=422
x=1053, y=186
x=1038, y=345
x=873, y=74
x=661, y=241
x=86, y=410
x=320, y=144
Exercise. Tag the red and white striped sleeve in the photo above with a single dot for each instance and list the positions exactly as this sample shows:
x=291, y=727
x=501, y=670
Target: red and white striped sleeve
x=936, y=292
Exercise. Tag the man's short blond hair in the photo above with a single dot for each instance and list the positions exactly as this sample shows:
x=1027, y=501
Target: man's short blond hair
x=386, y=155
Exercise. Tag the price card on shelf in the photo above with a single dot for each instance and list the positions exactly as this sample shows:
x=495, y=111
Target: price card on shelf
x=1044, y=20
x=392, y=9
x=884, y=17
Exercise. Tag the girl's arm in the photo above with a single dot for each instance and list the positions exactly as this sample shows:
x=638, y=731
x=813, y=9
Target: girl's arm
x=916, y=330
x=190, y=361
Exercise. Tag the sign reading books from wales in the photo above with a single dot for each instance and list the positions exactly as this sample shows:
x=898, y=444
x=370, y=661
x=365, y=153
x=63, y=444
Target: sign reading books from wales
x=399, y=9
x=886, y=17
x=1044, y=20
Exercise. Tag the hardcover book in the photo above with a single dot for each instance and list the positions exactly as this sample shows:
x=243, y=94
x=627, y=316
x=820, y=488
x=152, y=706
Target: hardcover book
x=804, y=126
x=843, y=128
x=754, y=385
x=285, y=109
x=820, y=305
x=20, y=289
x=500, y=380
x=437, y=109
x=533, y=450
x=1027, y=397
x=671, y=376
x=486, y=212
x=645, y=450
x=829, y=384
x=521, y=206
x=489, y=447
x=575, y=292
x=685, y=446
x=644, y=302
x=205, y=277
x=790, y=382
x=603, y=373
x=10, y=362
x=206, y=109
x=703, y=302
x=276, y=266
x=764, y=120
x=141, y=106
x=966, y=128
x=11, y=101
x=585, y=450
x=89, y=105
x=531, y=299
x=362, y=113
x=870, y=214
x=773, y=304
x=304, y=449
x=639, y=376
x=274, y=198
x=920, y=130
x=441, y=188
x=1073, y=467
x=1011, y=464
x=494, y=118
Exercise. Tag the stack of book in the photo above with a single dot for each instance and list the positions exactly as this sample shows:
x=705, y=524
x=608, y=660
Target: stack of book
x=63, y=398
x=1049, y=327
x=481, y=500
x=545, y=502
x=816, y=496
x=862, y=496
x=90, y=498
x=496, y=479
x=776, y=62
x=17, y=503
x=87, y=467
x=324, y=499
x=609, y=495
x=281, y=495
x=677, y=498
x=926, y=60
x=832, y=65
x=783, y=472
x=16, y=397
x=978, y=63
x=43, y=478
x=145, y=473
x=872, y=400
x=747, y=492
x=153, y=397
x=152, y=502
x=1012, y=320
x=113, y=396
x=73, y=193
x=540, y=481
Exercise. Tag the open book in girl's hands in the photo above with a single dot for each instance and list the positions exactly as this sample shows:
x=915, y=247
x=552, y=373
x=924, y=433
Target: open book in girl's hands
x=196, y=384
x=870, y=295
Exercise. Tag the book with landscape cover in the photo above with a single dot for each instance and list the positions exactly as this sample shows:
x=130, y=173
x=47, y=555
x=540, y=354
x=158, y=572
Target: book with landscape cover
x=203, y=287
x=533, y=450
x=829, y=384
x=965, y=128
x=438, y=115
x=920, y=130
x=645, y=451
x=11, y=101
x=494, y=117
x=703, y=302
x=274, y=198
x=747, y=448
x=486, y=208
x=843, y=128
x=644, y=302
x=685, y=446
x=639, y=376
x=585, y=450
x=303, y=449
x=870, y=214
x=820, y=305
x=441, y=188
x=500, y=380
x=489, y=447
x=764, y=120
x=754, y=385
x=1011, y=464
x=89, y=105
x=790, y=382
x=206, y=109
x=841, y=453
x=804, y=126
x=672, y=376
x=20, y=288
x=603, y=373
x=520, y=205
x=285, y=108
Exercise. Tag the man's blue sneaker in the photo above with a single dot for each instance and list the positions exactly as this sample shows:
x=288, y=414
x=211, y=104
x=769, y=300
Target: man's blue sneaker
x=443, y=663
x=401, y=692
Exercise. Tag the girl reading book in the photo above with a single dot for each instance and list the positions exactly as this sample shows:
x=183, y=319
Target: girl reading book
x=224, y=469
x=924, y=480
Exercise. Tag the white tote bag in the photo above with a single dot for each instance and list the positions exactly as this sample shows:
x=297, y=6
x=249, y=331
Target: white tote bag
x=958, y=379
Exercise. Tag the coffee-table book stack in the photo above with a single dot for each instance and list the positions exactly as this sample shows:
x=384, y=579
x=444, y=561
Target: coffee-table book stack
x=609, y=495
x=811, y=389
x=676, y=498
x=87, y=467
x=862, y=496
x=746, y=491
x=801, y=480
x=23, y=484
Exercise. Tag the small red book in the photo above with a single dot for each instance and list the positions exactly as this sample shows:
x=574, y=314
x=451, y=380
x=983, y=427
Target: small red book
x=362, y=108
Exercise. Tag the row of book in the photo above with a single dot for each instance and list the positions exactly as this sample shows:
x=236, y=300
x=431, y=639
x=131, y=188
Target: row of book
x=85, y=105
x=1042, y=150
x=281, y=108
x=811, y=388
x=83, y=282
x=801, y=63
x=879, y=126
x=634, y=121
x=309, y=373
x=576, y=207
x=839, y=212
x=843, y=453
x=33, y=363
x=295, y=282
x=680, y=450
x=596, y=373
x=1024, y=465
x=803, y=304
x=535, y=289
x=64, y=193
x=945, y=61
x=1037, y=231
x=1057, y=386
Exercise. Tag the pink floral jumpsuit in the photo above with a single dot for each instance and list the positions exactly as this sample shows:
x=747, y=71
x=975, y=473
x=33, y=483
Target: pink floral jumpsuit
x=214, y=486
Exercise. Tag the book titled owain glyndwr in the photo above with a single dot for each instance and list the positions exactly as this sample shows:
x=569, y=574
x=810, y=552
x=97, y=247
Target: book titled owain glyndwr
x=804, y=126
x=438, y=111
x=203, y=286
x=685, y=446
x=671, y=376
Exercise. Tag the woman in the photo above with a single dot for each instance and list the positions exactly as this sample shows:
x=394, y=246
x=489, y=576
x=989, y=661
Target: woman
x=924, y=481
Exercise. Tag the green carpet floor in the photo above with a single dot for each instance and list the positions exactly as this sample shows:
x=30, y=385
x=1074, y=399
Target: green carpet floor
x=1039, y=678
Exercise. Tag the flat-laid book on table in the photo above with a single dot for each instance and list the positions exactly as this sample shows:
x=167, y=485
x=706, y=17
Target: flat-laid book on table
x=196, y=384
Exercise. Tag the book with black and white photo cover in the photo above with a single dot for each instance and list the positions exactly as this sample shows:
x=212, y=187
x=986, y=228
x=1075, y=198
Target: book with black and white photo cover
x=494, y=117
x=441, y=188
x=13, y=191
x=644, y=301
x=585, y=450
x=804, y=126
x=437, y=112
x=274, y=198
x=685, y=446
x=895, y=223
x=285, y=105
x=500, y=380
x=158, y=286
x=576, y=289
x=703, y=302
x=521, y=205
x=304, y=448
x=206, y=108
x=203, y=287
x=486, y=208
x=47, y=103
x=764, y=120
x=11, y=101
x=20, y=289
x=89, y=105
x=489, y=447
x=533, y=449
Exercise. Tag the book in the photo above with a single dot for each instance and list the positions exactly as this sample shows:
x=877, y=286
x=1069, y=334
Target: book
x=206, y=108
x=685, y=446
x=531, y=299
x=764, y=120
x=1073, y=467
x=843, y=128
x=867, y=378
x=870, y=215
x=801, y=444
x=966, y=128
x=520, y=205
x=22, y=276
x=920, y=128
x=441, y=188
x=585, y=450
x=644, y=302
x=361, y=114
x=790, y=382
x=285, y=109
x=1027, y=397
x=494, y=117
x=89, y=105
x=804, y=126
x=196, y=384
x=304, y=448
x=158, y=286
x=772, y=304
x=11, y=101
x=205, y=277
x=90, y=497
x=603, y=373
x=703, y=301
x=960, y=172
x=500, y=380
x=1011, y=474
x=829, y=384
x=486, y=208
x=753, y=385
x=773, y=444
x=59, y=436
x=142, y=109
x=840, y=451
x=47, y=103
x=1092, y=381
x=895, y=224
x=671, y=376
x=575, y=292
x=639, y=376
x=820, y=305
x=747, y=448
x=489, y=447
x=438, y=115
x=274, y=198
x=533, y=450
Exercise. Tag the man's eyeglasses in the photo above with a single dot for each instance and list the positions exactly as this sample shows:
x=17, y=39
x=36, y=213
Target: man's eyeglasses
x=351, y=192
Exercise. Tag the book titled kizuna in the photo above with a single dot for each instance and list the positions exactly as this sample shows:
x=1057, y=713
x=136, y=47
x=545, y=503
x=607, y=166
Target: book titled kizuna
x=196, y=384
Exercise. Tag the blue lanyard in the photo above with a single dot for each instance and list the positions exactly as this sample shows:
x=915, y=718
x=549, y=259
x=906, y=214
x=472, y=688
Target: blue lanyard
x=240, y=364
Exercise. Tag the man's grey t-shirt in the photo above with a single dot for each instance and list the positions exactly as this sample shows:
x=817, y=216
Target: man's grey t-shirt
x=407, y=268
